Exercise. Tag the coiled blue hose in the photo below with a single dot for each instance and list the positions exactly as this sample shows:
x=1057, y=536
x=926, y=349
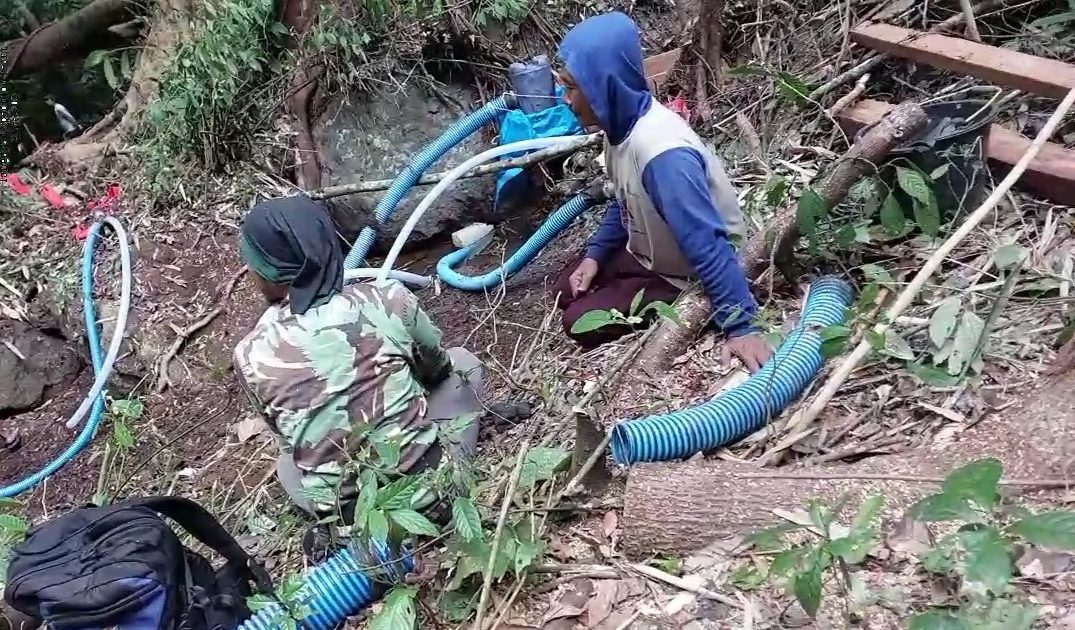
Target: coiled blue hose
x=744, y=409
x=96, y=357
x=406, y=180
x=556, y=223
x=333, y=591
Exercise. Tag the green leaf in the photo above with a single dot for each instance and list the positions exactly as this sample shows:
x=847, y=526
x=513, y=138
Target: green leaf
x=897, y=347
x=928, y=216
x=939, y=172
x=467, y=521
x=852, y=548
x=413, y=522
x=125, y=65
x=934, y=377
x=845, y=236
x=877, y=274
x=792, y=88
x=399, y=494
x=965, y=342
x=777, y=190
x=95, y=58
x=976, y=481
x=875, y=339
x=747, y=578
x=1053, y=530
x=833, y=340
x=810, y=210
x=590, y=321
x=937, y=619
x=11, y=524
x=541, y=463
x=893, y=220
x=130, y=409
x=1009, y=255
x=944, y=319
x=666, y=311
x=867, y=513
x=397, y=612
x=807, y=586
x=987, y=561
x=377, y=526
x=786, y=562
x=912, y=183
x=121, y=435
x=110, y=74
x=526, y=553
x=388, y=452
x=943, y=507
x=636, y=302
x=772, y=538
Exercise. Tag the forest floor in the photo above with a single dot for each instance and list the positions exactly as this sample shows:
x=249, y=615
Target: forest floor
x=199, y=437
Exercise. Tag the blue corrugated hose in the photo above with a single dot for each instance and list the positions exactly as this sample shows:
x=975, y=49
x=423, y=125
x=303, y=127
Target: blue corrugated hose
x=96, y=357
x=333, y=591
x=550, y=229
x=417, y=167
x=744, y=409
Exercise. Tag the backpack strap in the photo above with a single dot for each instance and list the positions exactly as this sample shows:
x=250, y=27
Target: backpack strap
x=205, y=527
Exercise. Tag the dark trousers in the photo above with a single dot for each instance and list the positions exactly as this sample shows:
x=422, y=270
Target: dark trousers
x=615, y=287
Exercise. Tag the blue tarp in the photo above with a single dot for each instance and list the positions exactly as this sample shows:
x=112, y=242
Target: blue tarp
x=516, y=126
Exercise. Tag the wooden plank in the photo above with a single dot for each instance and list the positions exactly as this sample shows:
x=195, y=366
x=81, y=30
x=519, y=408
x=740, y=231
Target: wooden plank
x=659, y=67
x=1051, y=174
x=1035, y=75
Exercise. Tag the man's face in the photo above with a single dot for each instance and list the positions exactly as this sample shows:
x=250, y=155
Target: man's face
x=577, y=101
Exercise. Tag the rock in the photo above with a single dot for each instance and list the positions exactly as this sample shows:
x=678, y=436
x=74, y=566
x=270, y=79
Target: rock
x=371, y=138
x=30, y=363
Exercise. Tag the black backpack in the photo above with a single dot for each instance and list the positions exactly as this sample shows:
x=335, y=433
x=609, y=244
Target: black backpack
x=122, y=565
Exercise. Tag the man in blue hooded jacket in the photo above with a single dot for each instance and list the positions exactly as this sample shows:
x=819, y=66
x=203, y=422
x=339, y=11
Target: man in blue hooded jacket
x=675, y=208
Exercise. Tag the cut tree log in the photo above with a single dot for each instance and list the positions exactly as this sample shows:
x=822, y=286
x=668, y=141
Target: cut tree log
x=1000, y=66
x=676, y=508
x=72, y=36
x=1051, y=175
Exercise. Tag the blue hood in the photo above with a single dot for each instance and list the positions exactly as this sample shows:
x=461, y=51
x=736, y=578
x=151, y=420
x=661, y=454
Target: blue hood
x=604, y=56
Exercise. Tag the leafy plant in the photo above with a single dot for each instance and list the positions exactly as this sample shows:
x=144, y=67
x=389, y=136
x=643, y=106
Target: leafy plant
x=823, y=545
x=980, y=551
x=599, y=318
x=291, y=603
x=12, y=531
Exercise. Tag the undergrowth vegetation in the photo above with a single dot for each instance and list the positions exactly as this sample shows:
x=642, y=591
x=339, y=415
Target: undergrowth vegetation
x=981, y=535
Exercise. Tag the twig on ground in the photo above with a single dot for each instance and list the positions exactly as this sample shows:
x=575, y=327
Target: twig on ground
x=487, y=584
x=968, y=16
x=163, y=380
x=851, y=96
x=904, y=299
x=680, y=583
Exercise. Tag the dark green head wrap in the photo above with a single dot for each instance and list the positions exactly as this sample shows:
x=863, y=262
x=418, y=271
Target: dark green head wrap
x=292, y=241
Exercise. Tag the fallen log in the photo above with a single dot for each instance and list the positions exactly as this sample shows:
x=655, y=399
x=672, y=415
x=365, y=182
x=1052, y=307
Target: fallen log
x=678, y=507
x=1050, y=175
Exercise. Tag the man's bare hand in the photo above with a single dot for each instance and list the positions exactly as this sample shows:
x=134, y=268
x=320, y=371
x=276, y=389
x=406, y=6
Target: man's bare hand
x=752, y=350
x=583, y=276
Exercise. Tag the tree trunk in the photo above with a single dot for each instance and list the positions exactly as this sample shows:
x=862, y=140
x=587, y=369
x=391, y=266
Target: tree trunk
x=678, y=507
x=300, y=16
x=69, y=37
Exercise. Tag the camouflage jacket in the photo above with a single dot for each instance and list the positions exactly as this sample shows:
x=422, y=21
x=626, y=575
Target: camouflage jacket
x=324, y=379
